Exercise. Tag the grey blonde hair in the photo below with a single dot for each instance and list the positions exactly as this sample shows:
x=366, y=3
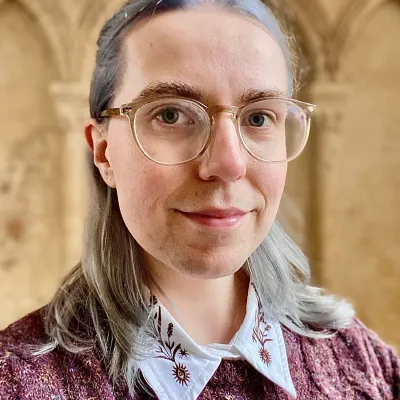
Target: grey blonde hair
x=100, y=304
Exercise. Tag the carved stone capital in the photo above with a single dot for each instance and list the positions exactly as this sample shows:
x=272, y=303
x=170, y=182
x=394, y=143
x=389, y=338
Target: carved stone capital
x=331, y=100
x=71, y=102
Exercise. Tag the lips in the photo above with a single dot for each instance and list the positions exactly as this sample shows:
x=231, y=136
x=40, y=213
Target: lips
x=217, y=218
x=218, y=213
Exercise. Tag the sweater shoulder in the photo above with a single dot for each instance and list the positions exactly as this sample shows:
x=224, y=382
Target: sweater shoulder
x=362, y=343
x=354, y=358
x=26, y=332
x=55, y=374
x=362, y=346
x=17, y=343
x=23, y=372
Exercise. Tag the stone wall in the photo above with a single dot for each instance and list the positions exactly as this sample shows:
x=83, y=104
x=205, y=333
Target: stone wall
x=342, y=195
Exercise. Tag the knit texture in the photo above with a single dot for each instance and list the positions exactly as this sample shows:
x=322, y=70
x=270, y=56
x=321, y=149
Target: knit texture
x=355, y=364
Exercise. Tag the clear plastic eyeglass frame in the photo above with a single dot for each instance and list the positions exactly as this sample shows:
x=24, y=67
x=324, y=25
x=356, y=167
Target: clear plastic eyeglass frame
x=130, y=110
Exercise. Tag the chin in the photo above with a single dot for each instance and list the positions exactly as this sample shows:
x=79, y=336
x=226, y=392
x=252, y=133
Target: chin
x=212, y=269
x=211, y=274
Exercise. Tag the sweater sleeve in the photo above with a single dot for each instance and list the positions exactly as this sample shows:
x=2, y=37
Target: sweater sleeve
x=395, y=366
x=388, y=360
x=381, y=359
x=25, y=378
x=8, y=386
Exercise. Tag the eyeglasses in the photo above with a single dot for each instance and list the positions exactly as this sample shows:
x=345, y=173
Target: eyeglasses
x=174, y=130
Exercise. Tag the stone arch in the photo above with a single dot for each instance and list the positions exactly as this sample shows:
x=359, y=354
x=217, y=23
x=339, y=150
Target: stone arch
x=51, y=21
x=29, y=165
x=311, y=22
x=90, y=23
x=350, y=23
x=361, y=223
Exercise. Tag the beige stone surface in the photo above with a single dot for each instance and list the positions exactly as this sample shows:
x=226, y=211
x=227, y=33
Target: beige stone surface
x=334, y=9
x=342, y=197
x=362, y=253
x=30, y=234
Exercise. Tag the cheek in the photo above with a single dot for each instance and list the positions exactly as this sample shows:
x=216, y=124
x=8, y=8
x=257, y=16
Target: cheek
x=130, y=176
x=139, y=189
x=271, y=182
x=279, y=180
x=142, y=185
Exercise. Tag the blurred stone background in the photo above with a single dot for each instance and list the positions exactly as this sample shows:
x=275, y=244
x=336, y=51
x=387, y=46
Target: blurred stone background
x=342, y=202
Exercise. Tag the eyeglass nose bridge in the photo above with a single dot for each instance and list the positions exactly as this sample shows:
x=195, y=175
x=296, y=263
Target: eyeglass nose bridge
x=218, y=109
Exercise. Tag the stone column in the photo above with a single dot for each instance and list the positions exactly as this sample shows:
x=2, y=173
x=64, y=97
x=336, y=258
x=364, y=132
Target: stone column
x=71, y=102
x=330, y=99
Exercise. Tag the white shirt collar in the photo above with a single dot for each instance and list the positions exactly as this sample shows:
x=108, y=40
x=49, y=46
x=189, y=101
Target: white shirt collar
x=180, y=368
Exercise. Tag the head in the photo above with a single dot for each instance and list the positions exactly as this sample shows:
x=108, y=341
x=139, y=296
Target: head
x=217, y=53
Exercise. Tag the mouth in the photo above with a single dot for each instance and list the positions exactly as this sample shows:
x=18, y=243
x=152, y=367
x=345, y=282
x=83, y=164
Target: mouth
x=217, y=218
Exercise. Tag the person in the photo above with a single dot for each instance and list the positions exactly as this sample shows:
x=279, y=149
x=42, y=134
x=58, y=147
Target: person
x=188, y=287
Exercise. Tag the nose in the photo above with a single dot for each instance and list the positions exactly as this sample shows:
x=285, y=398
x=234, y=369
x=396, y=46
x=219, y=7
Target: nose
x=225, y=158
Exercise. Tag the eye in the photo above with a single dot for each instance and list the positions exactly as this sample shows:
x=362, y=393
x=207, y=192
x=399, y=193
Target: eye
x=169, y=116
x=260, y=119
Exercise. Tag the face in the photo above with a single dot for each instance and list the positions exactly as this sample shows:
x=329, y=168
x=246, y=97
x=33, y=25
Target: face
x=206, y=217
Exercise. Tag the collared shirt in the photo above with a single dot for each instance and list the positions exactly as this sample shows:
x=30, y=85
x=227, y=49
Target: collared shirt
x=180, y=368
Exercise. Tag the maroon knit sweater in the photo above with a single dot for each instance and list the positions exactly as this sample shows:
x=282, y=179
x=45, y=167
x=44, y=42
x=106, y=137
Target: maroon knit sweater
x=353, y=365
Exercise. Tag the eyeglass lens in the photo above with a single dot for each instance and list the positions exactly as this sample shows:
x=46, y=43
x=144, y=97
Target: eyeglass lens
x=176, y=130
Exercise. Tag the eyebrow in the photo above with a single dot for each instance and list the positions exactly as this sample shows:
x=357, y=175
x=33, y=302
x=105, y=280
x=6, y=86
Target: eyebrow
x=255, y=94
x=181, y=89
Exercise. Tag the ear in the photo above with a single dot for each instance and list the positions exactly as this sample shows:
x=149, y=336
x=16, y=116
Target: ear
x=98, y=145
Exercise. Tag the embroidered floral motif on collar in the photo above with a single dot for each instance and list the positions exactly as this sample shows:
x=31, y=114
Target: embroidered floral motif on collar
x=170, y=351
x=260, y=331
x=180, y=368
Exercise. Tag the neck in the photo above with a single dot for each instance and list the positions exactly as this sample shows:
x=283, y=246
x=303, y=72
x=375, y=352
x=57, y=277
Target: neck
x=209, y=310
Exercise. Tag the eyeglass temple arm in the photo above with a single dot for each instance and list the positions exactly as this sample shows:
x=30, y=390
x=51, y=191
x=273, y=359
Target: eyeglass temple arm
x=111, y=112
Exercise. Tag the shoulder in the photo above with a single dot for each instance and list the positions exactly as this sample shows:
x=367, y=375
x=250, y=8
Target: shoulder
x=364, y=357
x=26, y=331
x=365, y=343
x=23, y=374
x=354, y=356
x=365, y=349
x=355, y=341
x=57, y=374
x=20, y=370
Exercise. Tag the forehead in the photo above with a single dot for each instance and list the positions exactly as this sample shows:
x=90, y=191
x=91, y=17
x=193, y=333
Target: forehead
x=222, y=52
